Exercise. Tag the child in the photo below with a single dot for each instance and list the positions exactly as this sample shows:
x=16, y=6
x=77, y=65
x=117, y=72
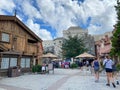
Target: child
x=43, y=68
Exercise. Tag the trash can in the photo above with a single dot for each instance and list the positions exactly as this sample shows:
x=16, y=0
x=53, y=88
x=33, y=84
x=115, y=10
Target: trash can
x=14, y=71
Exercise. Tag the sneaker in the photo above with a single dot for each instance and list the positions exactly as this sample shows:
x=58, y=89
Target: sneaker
x=107, y=84
x=113, y=85
x=117, y=82
x=96, y=81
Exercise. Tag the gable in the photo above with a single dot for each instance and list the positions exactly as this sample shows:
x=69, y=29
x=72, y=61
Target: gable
x=21, y=25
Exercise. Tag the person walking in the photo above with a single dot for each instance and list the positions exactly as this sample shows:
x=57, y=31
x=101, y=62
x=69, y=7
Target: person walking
x=96, y=67
x=108, y=63
x=115, y=72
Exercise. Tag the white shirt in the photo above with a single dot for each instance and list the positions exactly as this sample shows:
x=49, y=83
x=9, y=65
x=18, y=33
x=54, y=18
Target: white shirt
x=43, y=67
x=108, y=63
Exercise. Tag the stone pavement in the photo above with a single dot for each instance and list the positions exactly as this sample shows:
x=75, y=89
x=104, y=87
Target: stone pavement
x=62, y=79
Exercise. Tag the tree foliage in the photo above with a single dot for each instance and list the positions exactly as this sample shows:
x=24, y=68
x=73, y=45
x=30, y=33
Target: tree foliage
x=116, y=36
x=72, y=47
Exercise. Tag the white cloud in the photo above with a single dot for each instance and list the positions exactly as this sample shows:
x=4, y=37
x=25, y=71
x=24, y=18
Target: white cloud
x=56, y=15
x=7, y=5
x=60, y=14
x=105, y=15
x=30, y=10
x=42, y=33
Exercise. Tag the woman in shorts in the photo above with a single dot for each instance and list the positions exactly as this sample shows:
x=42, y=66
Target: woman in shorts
x=96, y=67
x=108, y=63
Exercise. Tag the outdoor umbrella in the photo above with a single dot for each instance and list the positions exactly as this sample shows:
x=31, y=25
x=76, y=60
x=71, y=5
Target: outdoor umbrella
x=49, y=55
x=85, y=55
x=57, y=60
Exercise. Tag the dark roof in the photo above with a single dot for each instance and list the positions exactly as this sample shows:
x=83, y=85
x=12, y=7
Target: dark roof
x=14, y=18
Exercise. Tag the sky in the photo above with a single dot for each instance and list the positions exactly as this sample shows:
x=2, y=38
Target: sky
x=48, y=18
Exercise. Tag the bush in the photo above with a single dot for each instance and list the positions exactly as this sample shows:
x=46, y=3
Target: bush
x=118, y=67
x=73, y=65
x=36, y=68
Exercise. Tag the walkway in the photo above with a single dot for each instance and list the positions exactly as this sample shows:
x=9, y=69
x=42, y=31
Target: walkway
x=62, y=79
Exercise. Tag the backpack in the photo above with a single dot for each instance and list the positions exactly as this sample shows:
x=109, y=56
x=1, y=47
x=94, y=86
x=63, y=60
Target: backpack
x=105, y=64
x=96, y=65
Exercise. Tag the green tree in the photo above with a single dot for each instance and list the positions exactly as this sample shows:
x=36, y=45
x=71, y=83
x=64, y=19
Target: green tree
x=116, y=36
x=72, y=47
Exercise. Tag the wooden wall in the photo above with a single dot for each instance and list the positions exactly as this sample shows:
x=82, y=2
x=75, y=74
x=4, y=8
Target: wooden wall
x=18, y=37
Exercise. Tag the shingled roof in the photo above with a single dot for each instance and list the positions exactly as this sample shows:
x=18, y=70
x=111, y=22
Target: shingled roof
x=15, y=19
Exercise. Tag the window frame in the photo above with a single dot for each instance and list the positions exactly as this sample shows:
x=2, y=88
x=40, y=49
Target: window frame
x=9, y=64
x=4, y=33
x=25, y=64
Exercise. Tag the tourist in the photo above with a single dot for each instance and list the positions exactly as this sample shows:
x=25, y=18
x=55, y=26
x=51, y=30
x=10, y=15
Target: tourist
x=115, y=72
x=96, y=67
x=108, y=63
x=43, y=68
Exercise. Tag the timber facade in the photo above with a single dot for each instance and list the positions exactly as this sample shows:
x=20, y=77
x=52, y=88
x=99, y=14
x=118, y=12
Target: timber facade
x=19, y=46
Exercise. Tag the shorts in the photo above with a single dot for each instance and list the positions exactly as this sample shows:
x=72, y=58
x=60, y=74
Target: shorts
x=96, y=71
x=109, y=70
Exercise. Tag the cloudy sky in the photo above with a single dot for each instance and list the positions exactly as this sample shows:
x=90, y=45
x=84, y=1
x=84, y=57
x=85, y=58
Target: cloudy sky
x=48, y=18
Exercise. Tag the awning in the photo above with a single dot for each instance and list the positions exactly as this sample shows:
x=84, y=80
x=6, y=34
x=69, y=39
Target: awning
x=11, y=53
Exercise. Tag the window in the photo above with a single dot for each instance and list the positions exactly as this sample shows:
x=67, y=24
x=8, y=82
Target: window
x=13, y=62
x=5, y=63
x=8, y=62
x=25, y=62
x=22, y=62
x=59, y=41
x=5, y=37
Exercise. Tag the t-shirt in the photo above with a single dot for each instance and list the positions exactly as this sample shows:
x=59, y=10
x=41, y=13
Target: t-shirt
x=108, y=63
x=96, y=65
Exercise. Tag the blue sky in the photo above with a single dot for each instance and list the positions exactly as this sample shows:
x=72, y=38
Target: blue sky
x=48, y=18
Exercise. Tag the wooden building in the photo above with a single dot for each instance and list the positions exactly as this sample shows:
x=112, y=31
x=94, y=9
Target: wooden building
x=19, y=46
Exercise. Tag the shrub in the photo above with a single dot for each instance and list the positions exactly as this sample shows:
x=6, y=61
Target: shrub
x=73, y=65
x=36, y=68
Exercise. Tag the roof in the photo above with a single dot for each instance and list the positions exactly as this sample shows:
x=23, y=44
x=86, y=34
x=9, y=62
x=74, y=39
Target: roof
x=14, y=18
x=74, y=27
x=2, y=47
x=59, y=38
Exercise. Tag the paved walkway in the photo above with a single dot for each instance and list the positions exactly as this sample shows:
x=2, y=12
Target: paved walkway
x=62, y=79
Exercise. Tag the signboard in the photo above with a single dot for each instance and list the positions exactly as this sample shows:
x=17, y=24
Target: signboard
x=50, y=66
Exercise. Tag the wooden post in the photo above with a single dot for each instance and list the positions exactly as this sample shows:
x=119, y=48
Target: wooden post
x=0, y=59
x=19, y=60
x=0, y=62
x=31, y=62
